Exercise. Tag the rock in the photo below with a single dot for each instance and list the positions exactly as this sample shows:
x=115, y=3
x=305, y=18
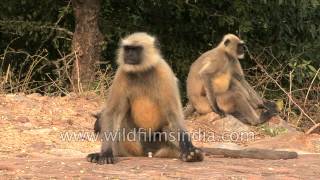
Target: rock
x=17, y=97
x=213, y=129
x=72, y=94
x=22, y=119
x=296, y=141
x=34, y=95
x=278, y=122
x=210, y=117
x=10, y=95
x=229, y=124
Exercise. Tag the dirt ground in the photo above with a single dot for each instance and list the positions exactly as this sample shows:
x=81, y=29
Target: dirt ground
x=35, y=141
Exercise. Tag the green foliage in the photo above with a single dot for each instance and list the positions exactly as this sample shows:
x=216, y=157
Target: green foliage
x=34, y=36
x=289, y=29
x=272, y=131
x=302, y=70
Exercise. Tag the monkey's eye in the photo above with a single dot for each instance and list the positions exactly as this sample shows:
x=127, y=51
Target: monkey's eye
x=132, y=48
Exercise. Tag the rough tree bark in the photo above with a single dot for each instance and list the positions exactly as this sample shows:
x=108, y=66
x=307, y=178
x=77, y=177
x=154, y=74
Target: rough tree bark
x=86, y=43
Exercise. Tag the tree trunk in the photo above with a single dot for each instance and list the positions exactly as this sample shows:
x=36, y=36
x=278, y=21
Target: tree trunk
x=86, y=43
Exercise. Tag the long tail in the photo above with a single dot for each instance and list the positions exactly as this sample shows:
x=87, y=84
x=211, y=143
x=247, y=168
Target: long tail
x=252, y=153
x=96, y=126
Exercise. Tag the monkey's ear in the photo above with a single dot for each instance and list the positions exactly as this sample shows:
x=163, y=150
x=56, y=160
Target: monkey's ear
x=157, y=44
x=227, y=42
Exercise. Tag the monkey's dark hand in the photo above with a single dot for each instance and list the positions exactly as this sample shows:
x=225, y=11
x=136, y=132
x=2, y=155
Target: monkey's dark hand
x=101, y=158
x=271, y=106
x=261, y=106
x=192, y=154
x=189, y=153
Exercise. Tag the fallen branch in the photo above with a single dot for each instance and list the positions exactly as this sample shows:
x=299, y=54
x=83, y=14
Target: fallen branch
x=313, y=128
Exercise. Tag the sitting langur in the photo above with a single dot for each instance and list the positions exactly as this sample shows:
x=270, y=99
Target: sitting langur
x=144, y=94
x=216, y=83
x=233, y=153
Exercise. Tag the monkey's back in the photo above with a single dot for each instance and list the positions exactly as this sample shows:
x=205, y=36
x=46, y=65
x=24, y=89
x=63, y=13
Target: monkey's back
x=194, y=82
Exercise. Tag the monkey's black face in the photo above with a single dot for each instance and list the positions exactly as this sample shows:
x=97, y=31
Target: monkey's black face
x=240, y=50
x=132, y=54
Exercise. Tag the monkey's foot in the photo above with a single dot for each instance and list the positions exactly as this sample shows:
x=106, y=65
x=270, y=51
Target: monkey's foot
x=221, y=114
x=104, y=158
x=191, y=154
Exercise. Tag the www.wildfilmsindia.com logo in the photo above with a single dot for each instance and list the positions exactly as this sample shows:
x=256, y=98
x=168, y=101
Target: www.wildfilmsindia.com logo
x=147, y=135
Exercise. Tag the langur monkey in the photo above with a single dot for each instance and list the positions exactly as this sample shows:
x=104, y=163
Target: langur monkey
x=144, y=95
x=216, y=83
